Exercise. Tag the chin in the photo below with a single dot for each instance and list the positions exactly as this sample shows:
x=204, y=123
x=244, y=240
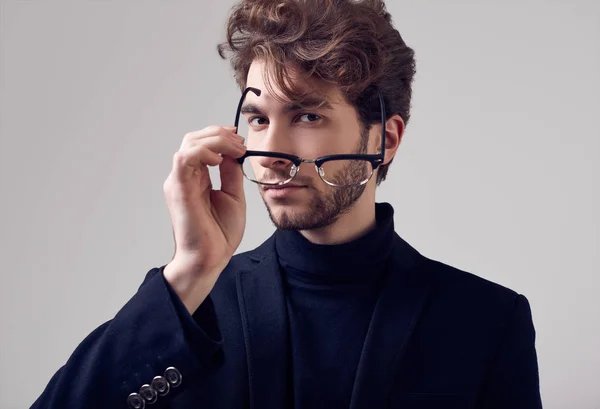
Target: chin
x=281, y=211
x=294, y=215
x=313, y=212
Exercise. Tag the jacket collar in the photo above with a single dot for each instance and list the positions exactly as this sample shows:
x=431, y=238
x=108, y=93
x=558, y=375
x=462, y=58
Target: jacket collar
x=265, y=326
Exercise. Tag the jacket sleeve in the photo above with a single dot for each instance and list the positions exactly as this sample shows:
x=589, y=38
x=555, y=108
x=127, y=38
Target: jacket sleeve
x=513, y=381
x=152, y=336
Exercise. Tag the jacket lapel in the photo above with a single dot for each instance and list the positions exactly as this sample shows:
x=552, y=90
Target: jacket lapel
x=265, y=325
x=395, y=314
x=264, y=319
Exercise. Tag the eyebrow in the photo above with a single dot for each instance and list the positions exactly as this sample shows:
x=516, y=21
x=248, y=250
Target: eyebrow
x=307, y=103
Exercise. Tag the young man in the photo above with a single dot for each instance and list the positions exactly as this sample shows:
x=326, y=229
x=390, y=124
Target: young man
x=334, y=310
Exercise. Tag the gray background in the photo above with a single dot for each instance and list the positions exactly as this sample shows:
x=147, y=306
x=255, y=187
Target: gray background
x=497, y=173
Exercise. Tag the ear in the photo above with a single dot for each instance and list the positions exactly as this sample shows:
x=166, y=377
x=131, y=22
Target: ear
x=394, y=130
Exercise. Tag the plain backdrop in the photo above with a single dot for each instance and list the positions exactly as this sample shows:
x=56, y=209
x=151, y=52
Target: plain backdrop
x=497, y=174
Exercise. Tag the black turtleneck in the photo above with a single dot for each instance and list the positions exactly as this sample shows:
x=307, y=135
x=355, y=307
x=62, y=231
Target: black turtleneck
x=331, y=291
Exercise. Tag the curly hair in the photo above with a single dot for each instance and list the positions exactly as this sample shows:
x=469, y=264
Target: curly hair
x=350, y=43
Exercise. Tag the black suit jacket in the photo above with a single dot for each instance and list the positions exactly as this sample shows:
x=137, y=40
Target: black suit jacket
x=439, y=338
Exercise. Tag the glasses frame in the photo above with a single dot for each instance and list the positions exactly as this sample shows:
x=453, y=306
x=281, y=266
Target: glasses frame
x=374, y=159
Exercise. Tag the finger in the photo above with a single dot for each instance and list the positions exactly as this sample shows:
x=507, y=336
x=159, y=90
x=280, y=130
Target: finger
x=220, y=145
x=186, y=161
x=232, y=178
x=234, y=131
x=194, y=158
x=227, y=139
x=210, y=131
x=206, y=152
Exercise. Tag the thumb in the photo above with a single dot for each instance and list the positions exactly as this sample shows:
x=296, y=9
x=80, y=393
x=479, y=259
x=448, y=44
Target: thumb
x=232, y=178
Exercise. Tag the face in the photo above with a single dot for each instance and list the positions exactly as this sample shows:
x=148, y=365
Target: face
x=308, y=132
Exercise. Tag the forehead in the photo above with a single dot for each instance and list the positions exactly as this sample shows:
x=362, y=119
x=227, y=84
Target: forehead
x=314, y=88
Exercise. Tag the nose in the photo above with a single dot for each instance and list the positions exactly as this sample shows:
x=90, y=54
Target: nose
x=275, y=137
x=279, y=166
x=274, y=141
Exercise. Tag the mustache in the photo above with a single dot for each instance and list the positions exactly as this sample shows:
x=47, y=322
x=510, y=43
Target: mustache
x=274, y=175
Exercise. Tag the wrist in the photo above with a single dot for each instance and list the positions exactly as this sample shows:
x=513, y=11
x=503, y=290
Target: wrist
x=192, y=289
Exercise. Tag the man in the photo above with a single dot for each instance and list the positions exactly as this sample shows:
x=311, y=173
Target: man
x=335, y=310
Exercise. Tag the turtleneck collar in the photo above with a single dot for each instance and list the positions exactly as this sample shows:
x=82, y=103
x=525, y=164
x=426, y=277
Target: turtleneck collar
x=357, y=262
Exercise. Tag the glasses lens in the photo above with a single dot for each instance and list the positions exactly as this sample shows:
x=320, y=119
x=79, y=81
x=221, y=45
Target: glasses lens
x=269, y=171
x=346, y=172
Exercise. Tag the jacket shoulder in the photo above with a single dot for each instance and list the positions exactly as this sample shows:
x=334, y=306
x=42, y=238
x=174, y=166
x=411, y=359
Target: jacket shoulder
x=466, y=291
x=466, y=280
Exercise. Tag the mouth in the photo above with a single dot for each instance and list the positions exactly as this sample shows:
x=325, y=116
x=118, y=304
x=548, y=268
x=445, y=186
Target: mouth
x=282, y=191
x=281, y=186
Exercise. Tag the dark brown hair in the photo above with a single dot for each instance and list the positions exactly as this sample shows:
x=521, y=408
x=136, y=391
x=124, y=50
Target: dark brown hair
x=350, y=43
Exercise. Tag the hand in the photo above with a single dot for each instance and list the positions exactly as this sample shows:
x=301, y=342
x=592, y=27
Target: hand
x=208, y=225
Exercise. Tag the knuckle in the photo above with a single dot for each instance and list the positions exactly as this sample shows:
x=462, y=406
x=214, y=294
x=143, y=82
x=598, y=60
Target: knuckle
x=168, y=185
x=214, y=129
x=177, y=157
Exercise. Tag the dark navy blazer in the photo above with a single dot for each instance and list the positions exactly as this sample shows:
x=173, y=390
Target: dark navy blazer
x=440, y=338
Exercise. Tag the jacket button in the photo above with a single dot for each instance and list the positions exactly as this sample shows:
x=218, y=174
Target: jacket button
x=173, y=376
x=160, y=385
x=135, y=401
x=148, y=393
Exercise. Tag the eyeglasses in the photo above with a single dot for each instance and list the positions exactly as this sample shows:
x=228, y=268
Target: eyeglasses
x=343, y=170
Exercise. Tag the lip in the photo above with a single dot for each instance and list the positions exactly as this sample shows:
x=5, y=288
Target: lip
x=282, y=191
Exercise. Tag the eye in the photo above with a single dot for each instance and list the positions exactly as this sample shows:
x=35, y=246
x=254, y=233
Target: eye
x=308, y=118
x=258, y=121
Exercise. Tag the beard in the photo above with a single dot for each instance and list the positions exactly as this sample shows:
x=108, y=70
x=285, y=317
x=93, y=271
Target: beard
x=326, y=208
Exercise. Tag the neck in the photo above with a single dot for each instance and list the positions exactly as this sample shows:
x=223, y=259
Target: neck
x=355, y=223
x=359, y=260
